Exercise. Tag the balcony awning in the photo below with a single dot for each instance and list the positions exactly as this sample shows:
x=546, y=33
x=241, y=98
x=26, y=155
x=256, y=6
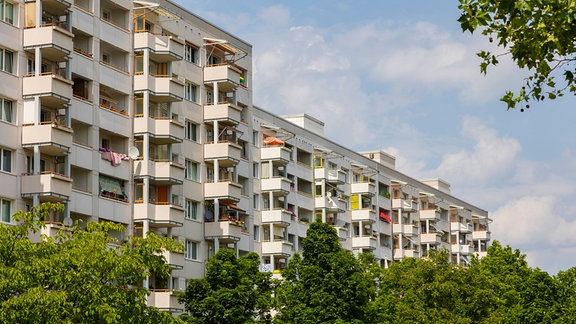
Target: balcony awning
x=273, y=141
x=235, y=208
x=224, y=45
x=157, y=8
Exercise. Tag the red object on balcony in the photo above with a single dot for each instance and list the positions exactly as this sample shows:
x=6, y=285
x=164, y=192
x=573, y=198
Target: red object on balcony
x=385, y=217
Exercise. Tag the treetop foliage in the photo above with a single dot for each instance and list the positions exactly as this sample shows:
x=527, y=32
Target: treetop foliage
x=539, y=35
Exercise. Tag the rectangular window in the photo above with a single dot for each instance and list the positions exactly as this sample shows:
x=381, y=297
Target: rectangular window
x=256, y=233
x=7, y=12
x=191, y=250
x=255, y=169
x=191, y=92
x=5, y=210
x=191, y=170
x=191, y=131
x=191, y=209
x=191, y=53
x=6, y=60
x=6, y=110
x=139, y=64
x=6, y=160
x=256, y=201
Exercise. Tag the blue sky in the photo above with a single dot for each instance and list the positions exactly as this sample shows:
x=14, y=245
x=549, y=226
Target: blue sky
x=406, y=79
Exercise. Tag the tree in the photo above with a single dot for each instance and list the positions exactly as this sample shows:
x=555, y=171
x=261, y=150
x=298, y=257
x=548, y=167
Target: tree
x=233, y=291
x=327, y=284
x=80, y=276
x=431, y=290
x=539, y=35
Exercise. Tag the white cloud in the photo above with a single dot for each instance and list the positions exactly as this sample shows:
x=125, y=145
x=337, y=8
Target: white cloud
x=492, y=156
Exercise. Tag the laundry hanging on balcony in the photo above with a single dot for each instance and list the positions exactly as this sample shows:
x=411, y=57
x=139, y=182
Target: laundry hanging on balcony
x=114, y=158
x=385, y=217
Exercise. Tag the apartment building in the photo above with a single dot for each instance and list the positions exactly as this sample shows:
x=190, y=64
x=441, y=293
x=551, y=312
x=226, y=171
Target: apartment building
x=141, y=113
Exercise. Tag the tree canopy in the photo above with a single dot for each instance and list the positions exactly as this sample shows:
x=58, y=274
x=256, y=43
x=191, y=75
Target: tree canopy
x=539, y=35
x=79, y=276
x=327, y=284
x=232, y=291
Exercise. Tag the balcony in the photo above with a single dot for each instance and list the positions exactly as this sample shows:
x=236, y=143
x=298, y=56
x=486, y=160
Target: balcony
x=48, y=84
x=227, y=153
x=336, y=176
x=406, y=229
x=174, y=259
x=364, y=242
x=275, y=153
x=223, y=230
x=55, y=41
x=223, y=112
x=280, y=247
x=227, y=76
x=279, y=185
x=406, y=205
x=365, y=188
x=430, y=238
x=164, y=171
x=49, y=185
x=481, y=235
x=461, y=248
x=342, y=233
x=364, y=215
x=406, y=253
x=226, y=190
x=430, y=214
x=164, y=130
x=163, y=88
x=330, y=203
x=276, y=216
x=159, y=214
x=165, y=300
x=162, y=48
x=460, y=227
x=53, y=139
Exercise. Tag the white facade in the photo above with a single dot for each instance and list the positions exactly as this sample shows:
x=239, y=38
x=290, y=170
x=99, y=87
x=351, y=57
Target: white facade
x=141, y=114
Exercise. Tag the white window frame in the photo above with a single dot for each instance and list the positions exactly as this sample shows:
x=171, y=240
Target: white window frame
x=191, y=91
x=5, y=217
x=191, y=250
x=189, y=173
x=3, y=66
x=191, y=209
x=3, y=153
x=5, y=105
x=191, y=53
x=191, y=131
x=3, y=6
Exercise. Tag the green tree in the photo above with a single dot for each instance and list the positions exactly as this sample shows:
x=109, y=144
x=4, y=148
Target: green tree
x=519, y=294
x=233, y=291
x=539, y=35
x=327, y=284
x=567, y=281
x=80, y=276
x=431, y=290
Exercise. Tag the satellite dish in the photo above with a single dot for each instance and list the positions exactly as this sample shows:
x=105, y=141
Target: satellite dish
x=133, y=152
x=68, y=221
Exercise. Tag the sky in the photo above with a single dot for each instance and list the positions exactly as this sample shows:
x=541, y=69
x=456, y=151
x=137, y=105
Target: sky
x=403, y=77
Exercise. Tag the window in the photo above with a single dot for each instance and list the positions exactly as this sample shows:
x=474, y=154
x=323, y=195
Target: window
x=5, y=210
x=191, y=209
x=191, y=170
x=190, y=92
x=7, y=12
x=255, y=169
x=7, y=110
x=255, y=138
x=6, y=60
x=256, y=201
x=191, y=131
x=256, y=233
x=106, y=15
x=191, y=53
x=191, y=250
x=6, y=160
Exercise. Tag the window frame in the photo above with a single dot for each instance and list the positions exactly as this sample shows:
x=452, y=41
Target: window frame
x=3, y=60
x=3, y=152
x=191, y=130
x=191, y=250
x=191, y=209
x=188, y=172
x=5, y=218
x=191, y=91
x=3, y=108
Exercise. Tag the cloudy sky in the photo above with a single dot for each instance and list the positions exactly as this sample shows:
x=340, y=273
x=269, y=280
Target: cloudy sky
x=403, y=77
